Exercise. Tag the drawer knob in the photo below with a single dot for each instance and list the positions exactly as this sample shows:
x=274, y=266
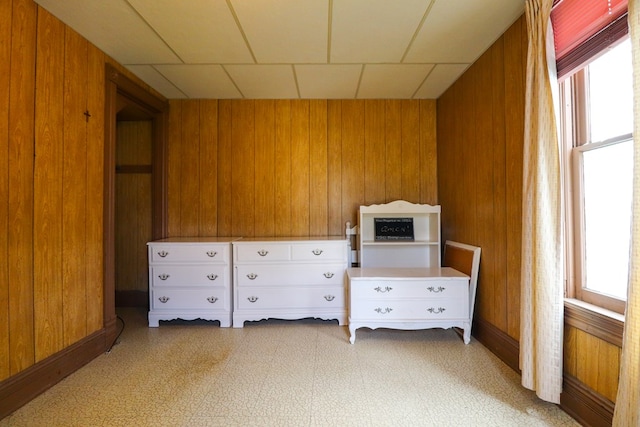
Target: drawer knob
x=211, y=254
x=212, y=299
x=163, y=254
x=383, y=310
x=212, y=276
x=163, y=276
x=436, y=290
x=436, y=310
x=383, y=290
x=317, y=251
x=252, y=276
x=329, y=297
x=252, y=299
x=163, y=299
x=262, y=252
x=328, y=275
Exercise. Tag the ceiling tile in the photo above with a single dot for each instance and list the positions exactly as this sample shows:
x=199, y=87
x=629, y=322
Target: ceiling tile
x=264, y=81
x=366, y=31
x=386, y=81
x=285, y=31
x=459, y=31
x=200, y=81
x=440, y=78
x=185, y=29
x=115, y=28
x=153, y=78
x=328, y=81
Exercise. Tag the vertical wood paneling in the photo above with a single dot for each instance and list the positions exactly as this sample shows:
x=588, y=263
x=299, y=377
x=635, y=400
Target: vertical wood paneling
x=283, y=169
x=225, y=150
x=48, y=306
x=410, y=152
x=20, y=184
x=190, y=161
x=318, y=168
x=74, y=210
x=174, y=171
x=352, y=159
x=5, y=72
x=208, y=158
x=300, y=168
x=428, y=153
x=334, y=168
x=374, y=152
x=393, y=137
x=243, y=173
x=265, y=168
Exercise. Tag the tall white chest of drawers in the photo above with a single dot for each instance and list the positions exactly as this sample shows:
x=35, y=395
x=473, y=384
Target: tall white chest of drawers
x=289, y=278
x=190, y=278
x=409, y=298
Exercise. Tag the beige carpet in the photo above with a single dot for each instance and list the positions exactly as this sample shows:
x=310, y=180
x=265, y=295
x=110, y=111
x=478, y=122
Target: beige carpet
x=288, y=373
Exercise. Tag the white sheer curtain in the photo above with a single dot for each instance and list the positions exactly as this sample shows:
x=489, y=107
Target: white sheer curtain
x=541, y=303
x=627, y=411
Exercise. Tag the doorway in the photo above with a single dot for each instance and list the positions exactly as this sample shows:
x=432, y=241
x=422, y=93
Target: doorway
x=126, y=101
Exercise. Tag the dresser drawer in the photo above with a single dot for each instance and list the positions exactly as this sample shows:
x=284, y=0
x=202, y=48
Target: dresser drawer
x=262, y=252
x=424, y=309
x=196, y=299
x=409, y=289
x=165, y=253
x=290, y=274
x=263, y=298
x=319, y=251
x=197, y=275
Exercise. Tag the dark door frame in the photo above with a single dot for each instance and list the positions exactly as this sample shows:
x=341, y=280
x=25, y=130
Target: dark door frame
x=119, y=86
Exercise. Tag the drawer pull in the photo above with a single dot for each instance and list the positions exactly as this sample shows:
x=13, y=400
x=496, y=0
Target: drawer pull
x=163, y=254
x=383, y=310
x=211, y=254
x=212, y=299
x=436, y=310
x=436, y=290
x=163, y=276
x=252, y=276
x=383, y=290
x=262, y=252
x=163, y=299
x=329, y=297
x=317, y=251
x=252, y=299
x=212, y=276
x=328, y=275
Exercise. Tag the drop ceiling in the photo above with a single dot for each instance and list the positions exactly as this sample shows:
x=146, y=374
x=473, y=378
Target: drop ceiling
x=289, y=49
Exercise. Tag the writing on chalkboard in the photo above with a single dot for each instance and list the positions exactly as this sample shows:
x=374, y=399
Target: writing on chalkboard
x=393, y=229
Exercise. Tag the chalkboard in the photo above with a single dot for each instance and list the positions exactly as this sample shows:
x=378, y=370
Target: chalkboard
x=393, y=229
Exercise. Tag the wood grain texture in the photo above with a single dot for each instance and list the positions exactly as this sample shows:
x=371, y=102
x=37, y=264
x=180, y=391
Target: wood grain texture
x=352, y=159
x=428, y=152
x=174, y=169
x=5, y=84
x=283, y=169
x=300, y=164
x=20, y=183
x=393, y=140
x=225, y=150
x=374, y=152
x=318, y=169
x=47, y=274
x=265, y=168
x=208, y=219
x=190, y=161
x=334, y=168
x=410, y=149
x=243, y=173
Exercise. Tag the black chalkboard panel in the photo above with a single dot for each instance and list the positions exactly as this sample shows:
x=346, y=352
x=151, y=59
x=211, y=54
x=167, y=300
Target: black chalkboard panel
x=393, y=229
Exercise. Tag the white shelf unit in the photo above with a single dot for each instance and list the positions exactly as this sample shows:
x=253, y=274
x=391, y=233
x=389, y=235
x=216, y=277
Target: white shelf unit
x=421, y=252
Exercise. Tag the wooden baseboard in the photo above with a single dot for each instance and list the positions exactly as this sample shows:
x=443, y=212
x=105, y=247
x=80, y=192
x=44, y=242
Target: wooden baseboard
x=132, y=299
x=23, y=387
x=586, y=406
x=500, y=344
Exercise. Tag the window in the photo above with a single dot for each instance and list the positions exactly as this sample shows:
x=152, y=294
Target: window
x=597, y=121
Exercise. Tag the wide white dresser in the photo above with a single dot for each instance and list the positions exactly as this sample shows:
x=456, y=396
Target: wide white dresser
x=289, y=278
x=190, y=278
x=408, y=298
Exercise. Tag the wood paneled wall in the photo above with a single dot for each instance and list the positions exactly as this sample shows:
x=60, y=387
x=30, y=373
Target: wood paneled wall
x=294, y=167
x=480, y=152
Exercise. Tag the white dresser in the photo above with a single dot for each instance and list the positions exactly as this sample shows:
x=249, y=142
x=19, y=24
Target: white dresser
x=408, y=298
x=289, y=278
x=190, y=278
